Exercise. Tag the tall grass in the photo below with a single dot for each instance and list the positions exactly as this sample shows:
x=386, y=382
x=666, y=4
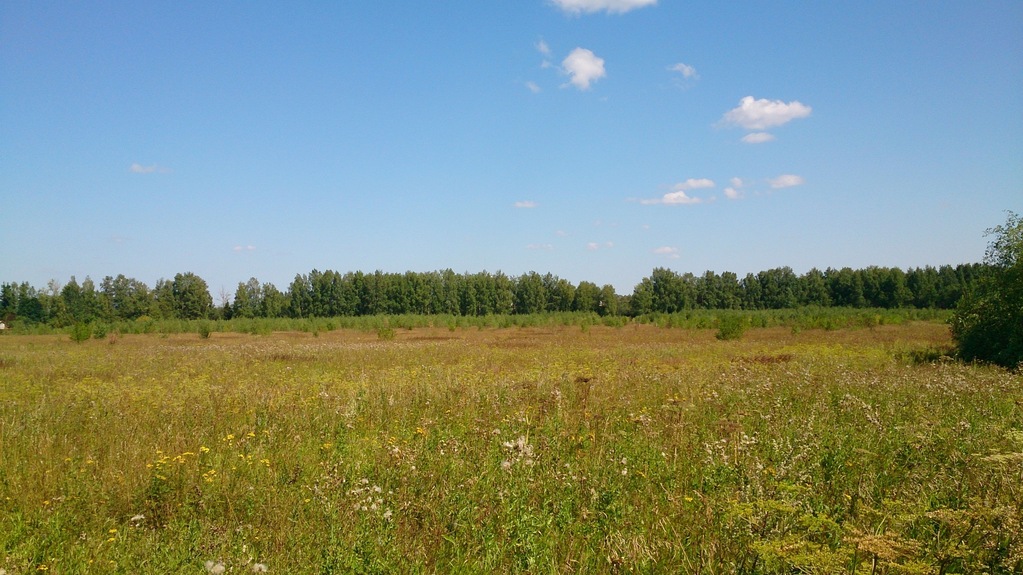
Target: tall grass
x=537, y=449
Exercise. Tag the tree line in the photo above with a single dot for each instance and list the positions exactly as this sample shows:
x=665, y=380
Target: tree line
x=332, y=294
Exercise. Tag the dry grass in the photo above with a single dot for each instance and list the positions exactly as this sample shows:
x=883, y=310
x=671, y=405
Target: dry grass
x=508, y=450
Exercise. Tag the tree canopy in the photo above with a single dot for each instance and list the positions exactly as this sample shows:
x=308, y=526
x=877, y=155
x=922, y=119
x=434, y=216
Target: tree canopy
x=333, y=294
x=988, y=322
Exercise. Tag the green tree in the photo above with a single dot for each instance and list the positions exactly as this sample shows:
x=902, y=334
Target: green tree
x=609, y=301
x=274, y=303
x=125, y=298
x=530, y=294
x=988, y=322
x=192, y=299
x=8, y=301
x=813, y=289
x=587, y=297
x=248, y=299
x=29, y=308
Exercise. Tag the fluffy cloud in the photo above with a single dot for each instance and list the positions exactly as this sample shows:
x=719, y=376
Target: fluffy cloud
x=594, y=246
x=686, y=70
x=584, y=67
x=244, y=248
x=154, y=169
x=543, y=247
x=786, y=181
x=758, y=138
x=733, y=192
x=695, y=184
x=525, y=204
x=543, y=48
x=667, y=251
x=680, y=197
x=762, y=114
x=678, y=194
x=533, y=87
x=609, y=6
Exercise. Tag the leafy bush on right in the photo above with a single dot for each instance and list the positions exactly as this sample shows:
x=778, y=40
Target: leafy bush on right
x=988, y=322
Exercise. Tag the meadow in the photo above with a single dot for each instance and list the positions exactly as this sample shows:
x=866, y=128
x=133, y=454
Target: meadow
x=634, y=447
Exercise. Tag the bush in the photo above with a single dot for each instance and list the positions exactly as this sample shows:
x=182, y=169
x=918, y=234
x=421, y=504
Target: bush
x=731, y=327
x=81, y=332
x=204, y=329
x=988, y=322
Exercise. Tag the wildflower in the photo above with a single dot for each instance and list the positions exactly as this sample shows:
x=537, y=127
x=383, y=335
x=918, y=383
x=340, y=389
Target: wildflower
x=137, y=518
x=387, y=516
x=259, y=568
x=215, y=568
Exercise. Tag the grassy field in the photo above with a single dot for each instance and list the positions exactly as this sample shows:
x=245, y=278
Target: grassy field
x=539, y=450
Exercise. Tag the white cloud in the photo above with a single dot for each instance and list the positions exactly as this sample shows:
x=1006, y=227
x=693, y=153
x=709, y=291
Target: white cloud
x=543, y=48
x=137, y=168
x=786, y=181
x=758, y=137
x=533, y=87
x=584, y=67
x=694, y=184
x=678, y=194
x=733, y=192
x=561, y=234
x=686, y=70
x=679, y=197
x=244, y=248
x=543, y=247
x=667, y=251
x=762, y=114
x=526, y=204
x=609, y=6
x=594, y=246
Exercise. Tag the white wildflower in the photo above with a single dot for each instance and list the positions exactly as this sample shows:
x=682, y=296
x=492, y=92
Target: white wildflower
x=259, y=568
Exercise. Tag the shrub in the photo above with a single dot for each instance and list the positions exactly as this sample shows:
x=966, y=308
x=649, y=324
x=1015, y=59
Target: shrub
x=81, y=332
x=204, y=329
x=731, y=327
x=988, y=322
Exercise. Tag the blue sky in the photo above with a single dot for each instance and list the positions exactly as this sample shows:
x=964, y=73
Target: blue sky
x=593, y=139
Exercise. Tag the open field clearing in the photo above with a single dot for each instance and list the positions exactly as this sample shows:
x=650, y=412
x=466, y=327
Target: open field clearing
x=540, y=450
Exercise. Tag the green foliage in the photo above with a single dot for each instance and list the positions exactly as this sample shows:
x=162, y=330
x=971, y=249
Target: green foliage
x=731, y=326
x=81, y=332
x=204, y=329
x=988, y=323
